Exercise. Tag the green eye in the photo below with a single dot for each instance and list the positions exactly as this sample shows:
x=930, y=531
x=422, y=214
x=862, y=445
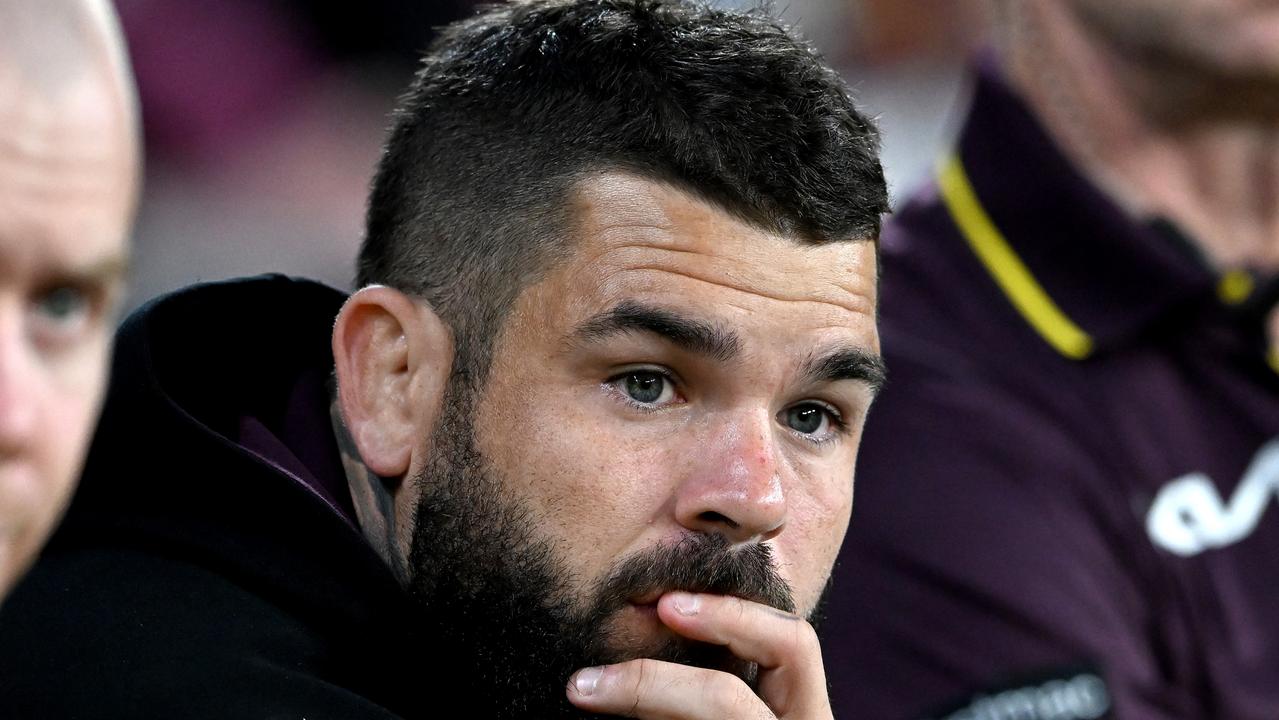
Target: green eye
x=646, y=388
x=807, y=419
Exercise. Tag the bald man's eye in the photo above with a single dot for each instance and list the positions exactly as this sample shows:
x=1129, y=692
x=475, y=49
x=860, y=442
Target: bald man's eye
x=61, y=314
x=63, y=304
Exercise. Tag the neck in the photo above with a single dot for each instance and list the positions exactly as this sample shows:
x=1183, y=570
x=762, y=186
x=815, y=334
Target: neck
x=374, y=502
x=1161, y=141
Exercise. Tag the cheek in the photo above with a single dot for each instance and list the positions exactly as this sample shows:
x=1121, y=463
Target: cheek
x=66, y=396
x=71, y=402
x=819, y=510
x=595, y=486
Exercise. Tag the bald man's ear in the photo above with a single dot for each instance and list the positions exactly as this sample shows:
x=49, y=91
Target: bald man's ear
x=393, y=356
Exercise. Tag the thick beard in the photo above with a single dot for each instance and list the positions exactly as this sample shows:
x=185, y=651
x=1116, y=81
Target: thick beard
x=497, y=599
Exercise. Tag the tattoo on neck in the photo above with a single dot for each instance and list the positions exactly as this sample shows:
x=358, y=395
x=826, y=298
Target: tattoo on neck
x=374, y=504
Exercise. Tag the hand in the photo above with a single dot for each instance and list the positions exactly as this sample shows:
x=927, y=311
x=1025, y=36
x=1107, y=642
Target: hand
x=792, y=682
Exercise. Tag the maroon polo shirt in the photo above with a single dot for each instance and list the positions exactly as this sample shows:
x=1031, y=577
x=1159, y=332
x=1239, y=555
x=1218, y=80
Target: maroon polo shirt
x=1066, y=495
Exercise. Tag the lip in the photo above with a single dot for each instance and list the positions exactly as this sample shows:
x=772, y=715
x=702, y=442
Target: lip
x=647, y=611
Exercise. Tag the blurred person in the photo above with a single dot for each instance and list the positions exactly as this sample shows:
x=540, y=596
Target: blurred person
x=264, y=119
x=1067, y=495
x=68, y=182
x=581, y=445
x=905, y=60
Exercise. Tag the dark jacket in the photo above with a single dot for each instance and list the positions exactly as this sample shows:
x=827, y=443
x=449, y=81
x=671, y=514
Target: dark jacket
x=209, y=566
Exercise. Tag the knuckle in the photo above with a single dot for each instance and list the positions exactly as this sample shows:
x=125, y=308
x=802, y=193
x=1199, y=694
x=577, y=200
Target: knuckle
x=802, y=647
x=745, y=705
x=633, y=686
x=806, y=636
x=642, y=677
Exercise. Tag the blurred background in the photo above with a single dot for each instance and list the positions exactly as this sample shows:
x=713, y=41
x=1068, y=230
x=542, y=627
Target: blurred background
x=264, y=118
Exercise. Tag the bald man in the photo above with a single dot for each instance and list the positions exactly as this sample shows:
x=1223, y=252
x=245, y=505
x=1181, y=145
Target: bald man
x=68, y=186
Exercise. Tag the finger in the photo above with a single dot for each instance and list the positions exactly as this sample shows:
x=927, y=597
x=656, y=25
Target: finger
x=792, y=679
x=764, y=635
x=657, y=690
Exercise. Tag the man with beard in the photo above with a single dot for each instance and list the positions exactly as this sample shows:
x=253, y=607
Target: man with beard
x=1078, y=449
x=582, y=443
x=68, y=186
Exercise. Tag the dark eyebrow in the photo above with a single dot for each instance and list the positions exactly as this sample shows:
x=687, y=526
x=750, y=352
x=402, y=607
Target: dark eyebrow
x=848, y=363
x=692, y=335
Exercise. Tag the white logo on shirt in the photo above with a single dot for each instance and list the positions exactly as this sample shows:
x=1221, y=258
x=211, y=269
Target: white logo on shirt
x=1189, y=516
x=1082, y=697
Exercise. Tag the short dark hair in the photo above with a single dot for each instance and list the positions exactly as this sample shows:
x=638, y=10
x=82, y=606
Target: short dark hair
x=515, y=105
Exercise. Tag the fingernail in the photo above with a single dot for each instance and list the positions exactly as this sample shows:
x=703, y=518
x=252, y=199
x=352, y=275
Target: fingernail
x=686, y=603
x=587, y=679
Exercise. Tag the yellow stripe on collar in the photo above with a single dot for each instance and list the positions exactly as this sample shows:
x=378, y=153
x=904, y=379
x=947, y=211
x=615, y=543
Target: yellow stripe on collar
x=1235, y=287
x=1003, y=264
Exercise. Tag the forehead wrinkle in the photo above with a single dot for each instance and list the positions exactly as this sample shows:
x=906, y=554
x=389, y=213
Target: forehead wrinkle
x=76, y=163
x=628, y=244
x=701, y=233
x=853, y=307
x=85, y=127
x=606, y=229
x=61, y=185
x=63, y=148
x=752, y=260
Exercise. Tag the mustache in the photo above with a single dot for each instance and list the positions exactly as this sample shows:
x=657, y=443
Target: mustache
x=702, y=563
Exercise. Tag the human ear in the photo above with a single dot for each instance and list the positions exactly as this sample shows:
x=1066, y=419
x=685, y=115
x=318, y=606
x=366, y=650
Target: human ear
x=393, y=355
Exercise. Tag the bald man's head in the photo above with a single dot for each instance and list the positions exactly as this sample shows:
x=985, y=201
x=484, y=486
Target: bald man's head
x=69, y=171
x=54, y=41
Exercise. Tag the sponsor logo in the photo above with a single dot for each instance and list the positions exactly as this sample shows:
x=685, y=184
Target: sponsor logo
x=1189, y=516
x=1079, y=696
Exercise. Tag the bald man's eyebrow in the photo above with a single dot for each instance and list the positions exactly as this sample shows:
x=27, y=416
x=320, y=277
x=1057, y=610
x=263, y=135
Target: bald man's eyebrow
x=107, y=274
x=110, y=271
x=848, y=363
x=105, y=278
x=689, y=334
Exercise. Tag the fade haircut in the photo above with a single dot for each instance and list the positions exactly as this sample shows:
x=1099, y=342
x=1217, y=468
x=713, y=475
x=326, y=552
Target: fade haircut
x=513, y=107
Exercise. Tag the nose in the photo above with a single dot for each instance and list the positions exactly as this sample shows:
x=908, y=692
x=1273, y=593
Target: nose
x=735, y=486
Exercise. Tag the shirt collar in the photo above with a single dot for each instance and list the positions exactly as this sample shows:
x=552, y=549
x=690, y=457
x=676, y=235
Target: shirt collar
x=1085, y=274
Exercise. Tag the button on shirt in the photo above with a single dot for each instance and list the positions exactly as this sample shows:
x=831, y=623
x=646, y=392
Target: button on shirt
x=1066, y=498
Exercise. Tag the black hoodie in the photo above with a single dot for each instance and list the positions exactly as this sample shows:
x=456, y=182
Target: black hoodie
x=209, y=565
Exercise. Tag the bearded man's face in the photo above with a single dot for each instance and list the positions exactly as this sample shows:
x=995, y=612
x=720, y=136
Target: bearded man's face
x=506, y=602
x=677, y=405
